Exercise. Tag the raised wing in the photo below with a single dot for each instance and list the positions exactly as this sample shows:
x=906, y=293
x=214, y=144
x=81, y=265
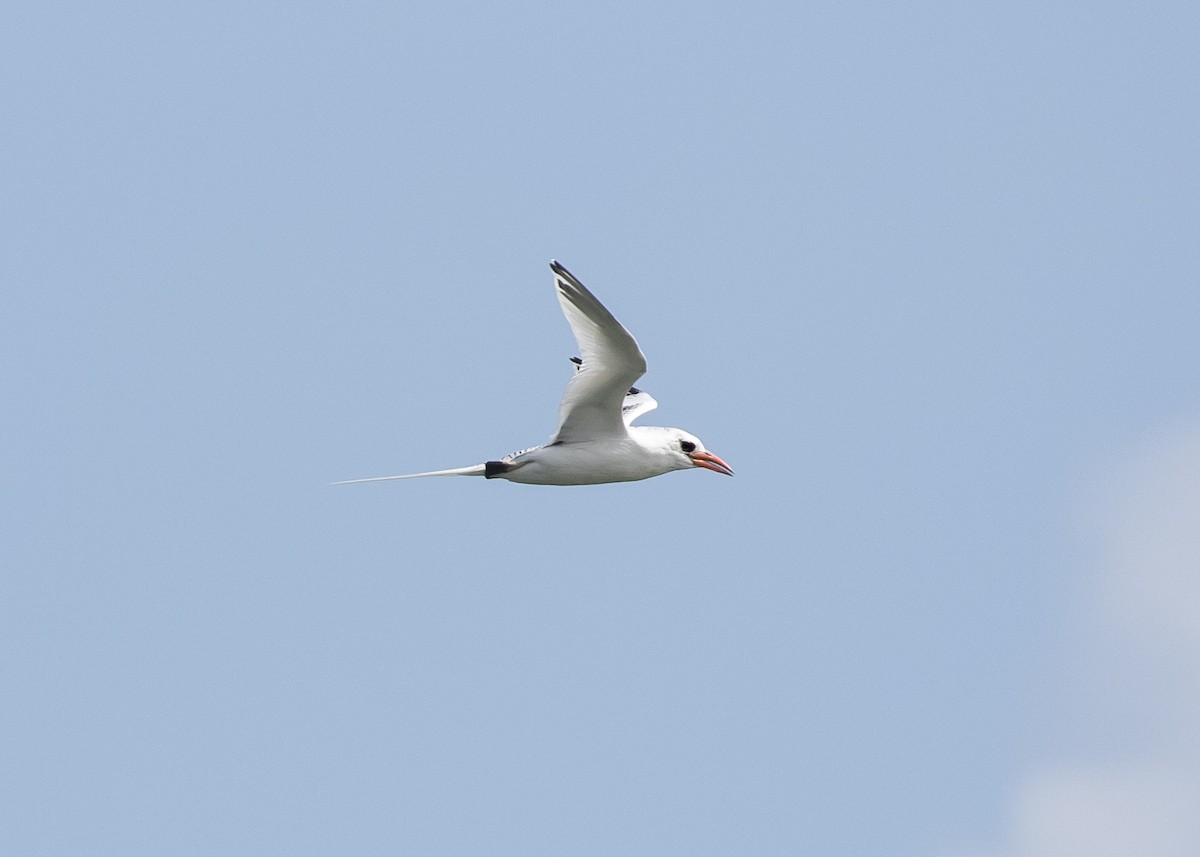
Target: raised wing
x=611, y=362
x=636, y=403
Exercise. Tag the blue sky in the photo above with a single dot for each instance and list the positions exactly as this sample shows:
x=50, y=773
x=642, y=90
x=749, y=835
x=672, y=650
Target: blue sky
x=924, y=274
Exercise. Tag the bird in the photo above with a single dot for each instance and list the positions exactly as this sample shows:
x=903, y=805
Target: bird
x=595, y=441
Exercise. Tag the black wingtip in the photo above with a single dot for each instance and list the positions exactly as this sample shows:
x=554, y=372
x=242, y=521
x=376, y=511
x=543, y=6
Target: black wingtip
x=558, y=268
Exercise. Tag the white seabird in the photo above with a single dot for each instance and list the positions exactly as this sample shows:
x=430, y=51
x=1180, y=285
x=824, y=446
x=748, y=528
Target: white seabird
x=595, y=441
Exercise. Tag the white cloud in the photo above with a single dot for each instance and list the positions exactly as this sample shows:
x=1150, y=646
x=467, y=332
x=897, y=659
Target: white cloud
x=1150, y=594
x=1107, y=811
x=1141, y=796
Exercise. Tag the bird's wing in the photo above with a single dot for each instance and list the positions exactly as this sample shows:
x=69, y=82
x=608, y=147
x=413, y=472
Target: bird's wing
x=611, y=362
x=636, y=403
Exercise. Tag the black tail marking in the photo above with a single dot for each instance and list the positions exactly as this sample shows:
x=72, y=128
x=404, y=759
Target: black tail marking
x=492, y=469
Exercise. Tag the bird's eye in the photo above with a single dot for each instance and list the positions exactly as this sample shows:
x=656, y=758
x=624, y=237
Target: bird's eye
x=687, y=446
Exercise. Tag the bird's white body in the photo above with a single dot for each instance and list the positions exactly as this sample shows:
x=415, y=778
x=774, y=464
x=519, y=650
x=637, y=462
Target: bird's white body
x=642, y=454
x=595, y=441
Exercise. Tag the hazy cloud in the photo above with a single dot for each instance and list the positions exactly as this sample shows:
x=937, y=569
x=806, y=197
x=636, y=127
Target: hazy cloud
x=1141, y=644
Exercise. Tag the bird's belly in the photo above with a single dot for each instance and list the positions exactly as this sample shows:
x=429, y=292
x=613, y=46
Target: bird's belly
x=583, y=464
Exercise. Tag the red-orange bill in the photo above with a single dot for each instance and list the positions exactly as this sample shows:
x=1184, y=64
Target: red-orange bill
x=711, y=462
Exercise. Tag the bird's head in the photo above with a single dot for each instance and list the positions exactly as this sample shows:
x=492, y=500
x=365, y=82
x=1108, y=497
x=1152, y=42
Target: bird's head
x=687, y=452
